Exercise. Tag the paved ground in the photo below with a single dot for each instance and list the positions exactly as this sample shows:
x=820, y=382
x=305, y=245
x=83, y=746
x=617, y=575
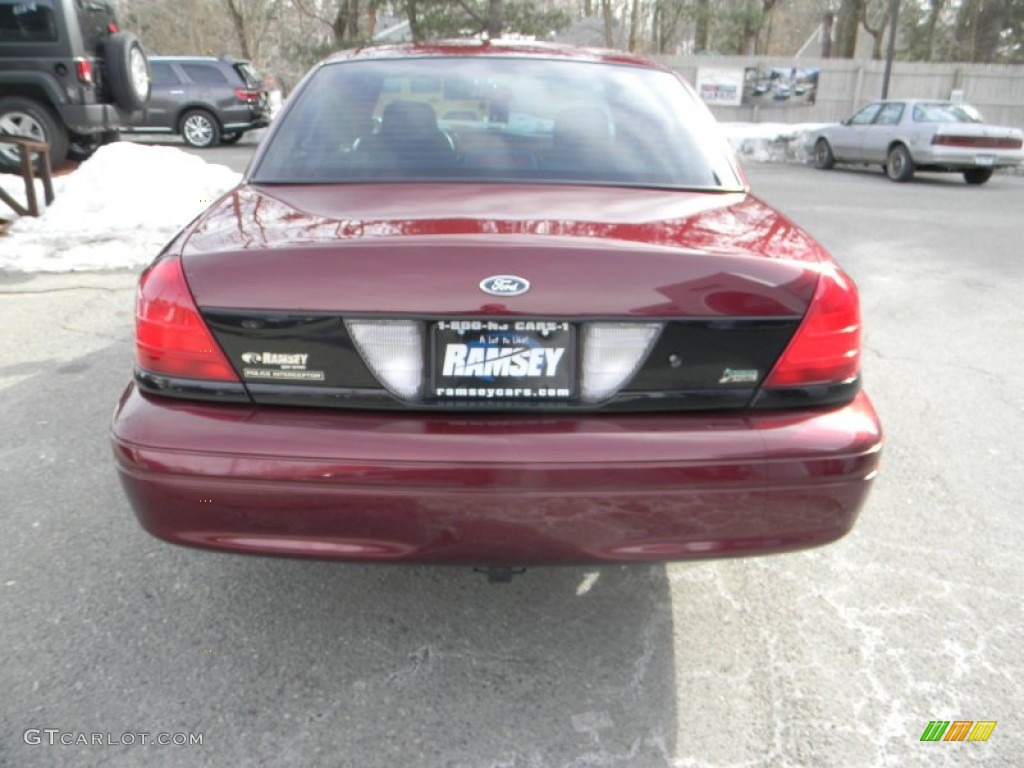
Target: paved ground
x=837, y=657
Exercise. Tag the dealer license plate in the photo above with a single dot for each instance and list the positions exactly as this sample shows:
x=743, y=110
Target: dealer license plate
x=504, y=360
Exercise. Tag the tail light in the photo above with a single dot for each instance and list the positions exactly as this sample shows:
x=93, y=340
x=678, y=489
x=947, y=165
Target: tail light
x=977, y=142
x=112, y=28
x=244, y=94
x=83, y=68
x=826, y=347
x=170, y=335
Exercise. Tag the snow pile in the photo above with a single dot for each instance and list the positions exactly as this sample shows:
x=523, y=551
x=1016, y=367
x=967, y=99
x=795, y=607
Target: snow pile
x=771, y=142
x=117, y=210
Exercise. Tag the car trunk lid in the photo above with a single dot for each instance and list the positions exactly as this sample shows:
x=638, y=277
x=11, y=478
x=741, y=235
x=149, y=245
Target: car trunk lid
x=707, y=288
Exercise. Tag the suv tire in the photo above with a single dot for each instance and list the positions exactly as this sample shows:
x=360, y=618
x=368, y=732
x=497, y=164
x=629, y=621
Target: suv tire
x=127, y=71
x=20, y=116
x=200, y=129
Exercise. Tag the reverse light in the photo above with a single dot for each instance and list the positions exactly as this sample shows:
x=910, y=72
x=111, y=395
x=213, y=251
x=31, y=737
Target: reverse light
x=83, y=68
x=170, y=336
x=393, y=350
x=612, y=352
x=826, y=347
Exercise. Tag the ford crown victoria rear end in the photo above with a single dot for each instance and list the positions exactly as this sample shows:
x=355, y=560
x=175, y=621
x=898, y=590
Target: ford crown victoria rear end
x=496, y=305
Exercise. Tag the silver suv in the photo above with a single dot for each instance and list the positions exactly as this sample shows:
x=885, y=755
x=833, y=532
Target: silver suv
x=207, y=100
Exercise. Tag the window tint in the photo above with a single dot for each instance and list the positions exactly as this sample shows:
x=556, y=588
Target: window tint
x=497, y=118
x=204, y=74
x=27, y=22
x=163, y=73
x=889, y=114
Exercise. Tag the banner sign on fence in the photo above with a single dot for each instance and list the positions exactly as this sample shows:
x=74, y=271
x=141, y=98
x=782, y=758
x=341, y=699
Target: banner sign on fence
x=723, y=87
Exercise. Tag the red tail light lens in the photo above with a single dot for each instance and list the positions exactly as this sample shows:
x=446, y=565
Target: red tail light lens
x=826, y=347
x=170, y=335
x=977, y=142
x=246, y=95
x=83, y=68
x=112, y=28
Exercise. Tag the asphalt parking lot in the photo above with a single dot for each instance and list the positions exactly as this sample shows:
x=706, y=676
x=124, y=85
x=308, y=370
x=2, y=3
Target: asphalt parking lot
x=835, y=657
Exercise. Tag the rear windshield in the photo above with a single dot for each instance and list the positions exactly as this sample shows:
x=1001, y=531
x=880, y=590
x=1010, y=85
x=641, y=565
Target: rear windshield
x=500, y=119
x=945, y=113
x=249, y=75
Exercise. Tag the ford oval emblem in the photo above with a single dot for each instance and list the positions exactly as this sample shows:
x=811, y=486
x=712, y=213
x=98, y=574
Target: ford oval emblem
x=505, y=285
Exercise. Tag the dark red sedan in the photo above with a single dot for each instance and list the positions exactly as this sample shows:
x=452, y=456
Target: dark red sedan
x=498, y=305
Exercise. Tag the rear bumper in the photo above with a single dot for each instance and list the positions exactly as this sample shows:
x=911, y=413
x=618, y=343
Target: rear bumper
x=490, y=489
x=967, y=158
x=93, y=118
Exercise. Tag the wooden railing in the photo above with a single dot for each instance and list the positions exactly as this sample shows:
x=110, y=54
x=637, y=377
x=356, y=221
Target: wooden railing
x=26, y=149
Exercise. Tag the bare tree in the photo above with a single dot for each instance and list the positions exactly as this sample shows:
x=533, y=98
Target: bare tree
x=979, y=26
x=702, y=27
x=847, y=23
x=874, y=16
x=935, y=8
x=252, y=21
x=634, y=24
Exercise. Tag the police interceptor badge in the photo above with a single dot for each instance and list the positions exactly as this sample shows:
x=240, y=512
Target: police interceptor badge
x=505, y=285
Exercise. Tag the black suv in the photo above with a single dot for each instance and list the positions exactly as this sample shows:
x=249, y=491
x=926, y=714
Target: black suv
x=68, y=75
x=207, y=100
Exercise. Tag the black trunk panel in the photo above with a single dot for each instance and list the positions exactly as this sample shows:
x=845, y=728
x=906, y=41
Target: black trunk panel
x=695, y=364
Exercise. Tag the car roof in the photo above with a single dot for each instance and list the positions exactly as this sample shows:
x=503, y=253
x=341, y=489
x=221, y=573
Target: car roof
x=915, y=101
x=492, y=48
x=224, y=59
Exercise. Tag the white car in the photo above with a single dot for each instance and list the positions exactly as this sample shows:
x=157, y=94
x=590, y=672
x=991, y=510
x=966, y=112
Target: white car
x=915, y=134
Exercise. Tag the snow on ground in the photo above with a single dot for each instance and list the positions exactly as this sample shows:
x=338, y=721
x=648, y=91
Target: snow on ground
x=117, y=210
x=771, y=142
x=123, y=205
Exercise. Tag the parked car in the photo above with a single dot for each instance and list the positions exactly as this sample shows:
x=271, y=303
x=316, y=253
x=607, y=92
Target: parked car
x=206, y=100
x=564, y=331
x=69, y=76
x=910, y=135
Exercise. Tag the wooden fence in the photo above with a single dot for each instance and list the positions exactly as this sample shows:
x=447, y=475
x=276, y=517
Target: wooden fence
x=846, y=84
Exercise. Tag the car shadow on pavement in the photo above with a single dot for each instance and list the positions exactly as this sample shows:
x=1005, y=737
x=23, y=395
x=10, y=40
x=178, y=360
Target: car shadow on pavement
x=291, y=662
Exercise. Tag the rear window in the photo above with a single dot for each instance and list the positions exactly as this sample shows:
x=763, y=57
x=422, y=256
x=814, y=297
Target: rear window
x=27, y=22
x=500, y=119
x=204, y=74
x=249, y=75
x=944, y=113
x=94, y=20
